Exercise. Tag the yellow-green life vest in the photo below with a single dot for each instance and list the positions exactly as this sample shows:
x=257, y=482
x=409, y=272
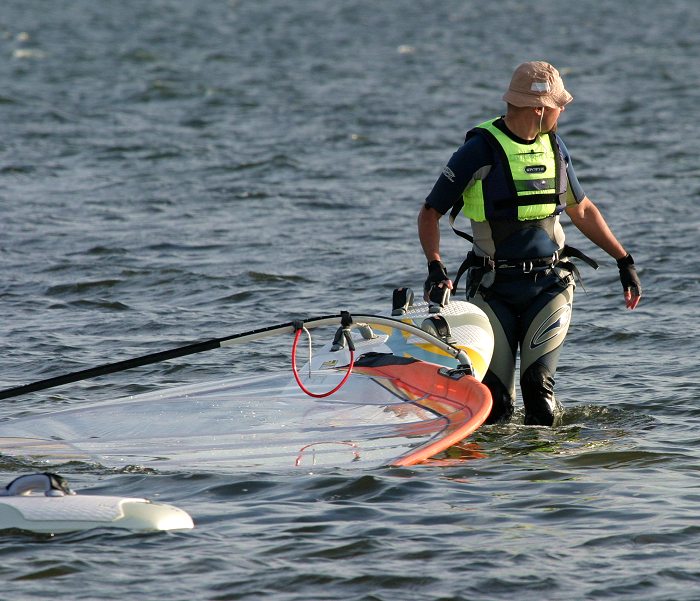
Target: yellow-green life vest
x=526, y=182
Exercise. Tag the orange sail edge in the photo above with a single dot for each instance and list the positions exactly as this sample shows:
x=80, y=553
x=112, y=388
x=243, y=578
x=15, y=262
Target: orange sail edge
x=474, y=419
x=463, y=402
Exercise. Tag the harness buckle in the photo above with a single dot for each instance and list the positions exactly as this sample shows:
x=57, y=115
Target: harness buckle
x=528, y=266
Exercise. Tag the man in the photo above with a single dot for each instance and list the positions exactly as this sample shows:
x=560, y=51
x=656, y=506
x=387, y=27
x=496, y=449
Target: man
x=512, y=178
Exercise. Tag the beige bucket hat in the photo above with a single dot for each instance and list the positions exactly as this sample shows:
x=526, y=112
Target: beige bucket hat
x=537, y=83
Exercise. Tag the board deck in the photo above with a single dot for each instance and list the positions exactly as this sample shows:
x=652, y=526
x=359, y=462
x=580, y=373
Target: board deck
x=55, y=515
x=44, y=503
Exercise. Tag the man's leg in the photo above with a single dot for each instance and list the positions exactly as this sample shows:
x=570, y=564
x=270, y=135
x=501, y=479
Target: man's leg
x=500, y=377
x=547, y=323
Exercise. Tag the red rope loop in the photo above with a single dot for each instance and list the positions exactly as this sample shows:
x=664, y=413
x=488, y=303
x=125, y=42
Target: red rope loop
x=301, y=384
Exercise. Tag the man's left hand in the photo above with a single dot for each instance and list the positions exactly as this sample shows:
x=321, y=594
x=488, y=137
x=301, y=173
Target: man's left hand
x=631, y=285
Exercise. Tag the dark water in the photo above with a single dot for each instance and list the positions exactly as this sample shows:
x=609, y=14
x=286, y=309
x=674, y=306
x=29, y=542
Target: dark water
x=174, y=170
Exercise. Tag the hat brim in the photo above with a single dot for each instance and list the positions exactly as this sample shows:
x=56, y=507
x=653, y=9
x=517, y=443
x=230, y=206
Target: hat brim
x=551, y=100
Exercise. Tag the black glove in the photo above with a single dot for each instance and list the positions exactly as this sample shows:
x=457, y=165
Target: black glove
x=631, y=285
x=436, y=275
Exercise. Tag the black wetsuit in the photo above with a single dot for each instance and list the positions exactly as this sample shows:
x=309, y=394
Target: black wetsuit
x=529, y=308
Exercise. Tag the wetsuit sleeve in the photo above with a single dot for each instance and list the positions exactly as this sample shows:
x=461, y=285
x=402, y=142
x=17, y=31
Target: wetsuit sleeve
x=459, y=172
x=574, y=191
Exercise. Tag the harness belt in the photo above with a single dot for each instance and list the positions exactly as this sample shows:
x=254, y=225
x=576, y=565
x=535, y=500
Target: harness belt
x=526, y=265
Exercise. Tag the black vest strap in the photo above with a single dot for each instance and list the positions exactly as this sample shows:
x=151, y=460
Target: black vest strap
x=570, y=251
x=454, y=213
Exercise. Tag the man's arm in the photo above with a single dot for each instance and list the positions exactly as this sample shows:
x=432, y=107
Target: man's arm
x=473, y=155
x=429, y=232
x=589, y=220
x=429, y=236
